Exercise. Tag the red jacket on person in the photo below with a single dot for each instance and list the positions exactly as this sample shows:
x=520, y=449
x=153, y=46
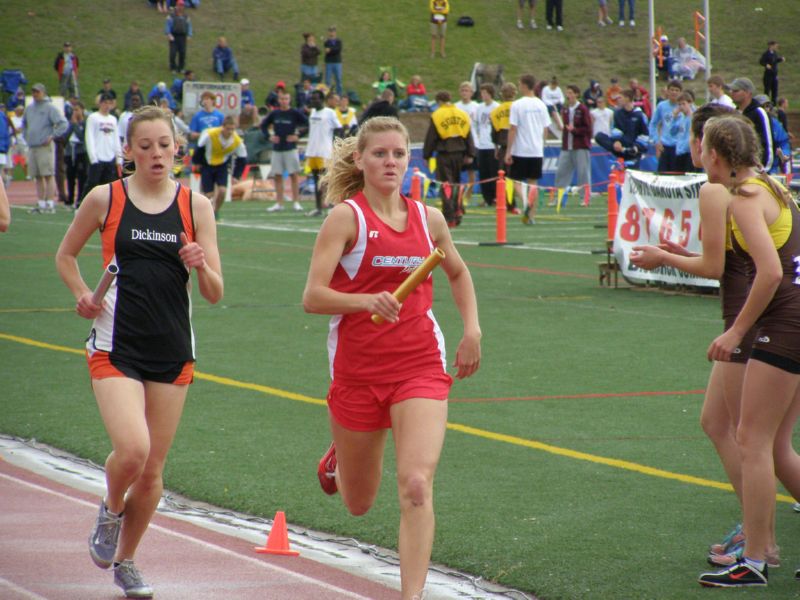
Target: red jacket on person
x=582, y=134
x=59, y=64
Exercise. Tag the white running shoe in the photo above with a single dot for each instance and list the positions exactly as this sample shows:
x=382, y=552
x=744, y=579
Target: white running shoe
x=275, y=208
x=128, y=577
x=104, y=537
x=519, y=24
x=297, y=207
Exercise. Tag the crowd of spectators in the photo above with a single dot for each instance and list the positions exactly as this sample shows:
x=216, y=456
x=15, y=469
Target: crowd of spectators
x=619, y=118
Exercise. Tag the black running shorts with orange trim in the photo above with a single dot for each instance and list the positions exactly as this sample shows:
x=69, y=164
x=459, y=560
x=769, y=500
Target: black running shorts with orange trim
x=103, y=365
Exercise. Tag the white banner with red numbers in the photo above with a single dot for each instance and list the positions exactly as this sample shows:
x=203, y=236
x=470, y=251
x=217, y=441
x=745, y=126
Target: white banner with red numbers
x=655, y=209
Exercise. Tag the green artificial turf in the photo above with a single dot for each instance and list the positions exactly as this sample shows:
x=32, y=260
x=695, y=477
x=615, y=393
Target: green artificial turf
x=573, y=376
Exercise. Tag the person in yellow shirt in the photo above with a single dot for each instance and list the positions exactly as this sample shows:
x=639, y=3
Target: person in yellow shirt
x=450, y=138
x=500, y=119
x=221, y=145
x=439, y=11
x=347, y=116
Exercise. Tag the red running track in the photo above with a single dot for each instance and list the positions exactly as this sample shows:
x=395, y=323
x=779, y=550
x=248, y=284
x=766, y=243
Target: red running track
x=44, y=527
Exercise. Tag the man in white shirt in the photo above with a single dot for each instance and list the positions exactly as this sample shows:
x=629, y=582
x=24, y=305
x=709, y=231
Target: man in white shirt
x=102, y=146
x=322, y=123
x=525, y=152
x=465, y=91
x=716, y=87
x=487, y=162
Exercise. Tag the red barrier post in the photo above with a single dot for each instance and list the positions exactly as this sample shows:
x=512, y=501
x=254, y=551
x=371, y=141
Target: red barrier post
x=416, y=185
x=500, y=208
x=587, y=194
x=613, y=207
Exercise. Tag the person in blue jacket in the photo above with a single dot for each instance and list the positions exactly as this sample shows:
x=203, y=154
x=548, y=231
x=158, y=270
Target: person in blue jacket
x=628, y=139
x=5, y=145
x=223, y=58
x=660, y=129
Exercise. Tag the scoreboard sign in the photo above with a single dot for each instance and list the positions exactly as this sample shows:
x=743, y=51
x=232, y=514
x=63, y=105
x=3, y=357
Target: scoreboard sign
x=227, y=97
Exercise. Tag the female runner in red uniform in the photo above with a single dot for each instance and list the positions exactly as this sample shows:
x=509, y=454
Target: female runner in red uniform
x=765, y=230
x=141, y=346
x=391, y=375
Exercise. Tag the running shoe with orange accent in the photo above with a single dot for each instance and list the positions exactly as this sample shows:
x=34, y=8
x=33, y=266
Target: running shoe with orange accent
x=326, y=471
x=740, y=574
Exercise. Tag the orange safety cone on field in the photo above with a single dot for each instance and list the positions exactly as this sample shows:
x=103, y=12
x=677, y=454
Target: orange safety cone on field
x=278, y=539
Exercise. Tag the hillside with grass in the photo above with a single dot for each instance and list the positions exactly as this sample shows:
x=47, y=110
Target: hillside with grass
x=124, y=40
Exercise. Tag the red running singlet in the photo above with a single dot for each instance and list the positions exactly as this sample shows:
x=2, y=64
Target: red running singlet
x=360, y=352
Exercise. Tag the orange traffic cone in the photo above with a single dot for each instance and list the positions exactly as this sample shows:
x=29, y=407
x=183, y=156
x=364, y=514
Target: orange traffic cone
x=278, y=539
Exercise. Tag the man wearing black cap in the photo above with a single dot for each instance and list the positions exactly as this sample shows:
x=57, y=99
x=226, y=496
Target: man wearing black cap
x=742, y=90
x=66, y=65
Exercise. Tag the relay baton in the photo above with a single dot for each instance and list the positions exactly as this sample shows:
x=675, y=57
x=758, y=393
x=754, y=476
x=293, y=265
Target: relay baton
x=416, y=277
x=105, y=283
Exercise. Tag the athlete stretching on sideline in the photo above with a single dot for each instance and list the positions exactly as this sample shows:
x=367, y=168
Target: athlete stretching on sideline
x=371, y=240
x=141, y=346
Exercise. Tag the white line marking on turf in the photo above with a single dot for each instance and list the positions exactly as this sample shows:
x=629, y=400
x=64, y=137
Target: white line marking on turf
x=202, y=543
x=521, y=247
x=457, y=242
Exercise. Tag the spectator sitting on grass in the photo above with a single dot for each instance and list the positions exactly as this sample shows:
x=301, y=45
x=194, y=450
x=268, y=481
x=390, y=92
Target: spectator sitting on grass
x=687, y=61
x=223, y=59
x=416, y=96
x=386, y=81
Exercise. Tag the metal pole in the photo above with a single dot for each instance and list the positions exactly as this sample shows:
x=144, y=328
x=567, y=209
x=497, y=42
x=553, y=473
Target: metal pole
x=652, y=19
x=707, y=33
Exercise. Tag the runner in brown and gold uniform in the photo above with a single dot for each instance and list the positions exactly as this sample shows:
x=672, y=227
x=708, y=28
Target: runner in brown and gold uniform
x=765, y=226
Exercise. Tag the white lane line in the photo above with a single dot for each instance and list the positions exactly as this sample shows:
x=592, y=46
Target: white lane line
x=202, y=543
x=456, y=241
x=22, y=591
